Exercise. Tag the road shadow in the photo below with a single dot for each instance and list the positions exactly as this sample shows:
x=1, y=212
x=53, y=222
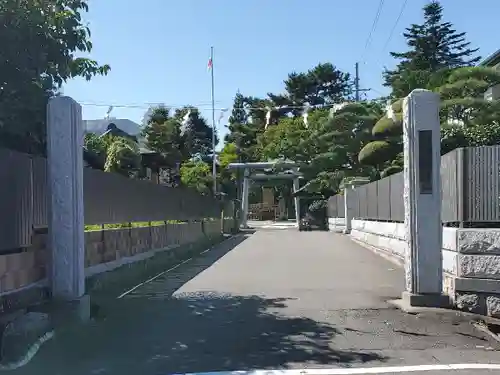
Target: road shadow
x=195, y=332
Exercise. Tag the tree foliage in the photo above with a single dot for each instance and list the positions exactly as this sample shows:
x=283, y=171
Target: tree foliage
x=198, y=175
x=322, y=85
x=116, y=154
x=196, y=140
x=41, y=46
x=162, y=135
x=434, y=48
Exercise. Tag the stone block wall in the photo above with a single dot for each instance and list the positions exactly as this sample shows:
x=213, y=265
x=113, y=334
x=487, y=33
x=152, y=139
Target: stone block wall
x=21, y=273
x=471, y=261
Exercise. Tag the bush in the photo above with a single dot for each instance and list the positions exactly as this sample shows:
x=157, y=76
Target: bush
x=386, y=127
x=397, y=106
x=377, y=152
x=393, y=169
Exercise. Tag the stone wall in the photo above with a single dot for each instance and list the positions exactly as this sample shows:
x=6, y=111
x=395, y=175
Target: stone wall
x=471, y=261
x=23, y=276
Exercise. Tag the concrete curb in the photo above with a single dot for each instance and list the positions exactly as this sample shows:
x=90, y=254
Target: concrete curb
x=381, y=252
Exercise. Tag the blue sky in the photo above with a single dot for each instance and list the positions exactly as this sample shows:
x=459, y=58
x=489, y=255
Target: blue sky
x=158, y=49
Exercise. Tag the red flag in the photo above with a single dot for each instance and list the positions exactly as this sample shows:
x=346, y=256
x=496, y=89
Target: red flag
x=210, y=64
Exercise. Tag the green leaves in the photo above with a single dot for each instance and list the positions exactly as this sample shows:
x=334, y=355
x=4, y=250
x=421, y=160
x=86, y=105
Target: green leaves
x=40, y=41
x=434, y=47
x=196, y=174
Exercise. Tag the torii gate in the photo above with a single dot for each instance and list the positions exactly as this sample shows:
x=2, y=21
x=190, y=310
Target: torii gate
x=292, y=174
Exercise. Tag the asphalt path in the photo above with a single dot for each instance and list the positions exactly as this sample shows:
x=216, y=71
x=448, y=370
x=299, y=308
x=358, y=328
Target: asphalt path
x=274, y=299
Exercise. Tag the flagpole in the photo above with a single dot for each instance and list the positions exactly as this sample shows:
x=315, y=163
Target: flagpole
x=214, y=167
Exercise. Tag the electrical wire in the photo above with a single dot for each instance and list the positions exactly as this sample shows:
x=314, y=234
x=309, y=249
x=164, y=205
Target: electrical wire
x=143, y=105
x=401, y=11
x=263, y=108
x=374, y=27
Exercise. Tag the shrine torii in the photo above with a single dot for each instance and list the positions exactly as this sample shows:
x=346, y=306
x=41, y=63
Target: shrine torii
x=249, y=174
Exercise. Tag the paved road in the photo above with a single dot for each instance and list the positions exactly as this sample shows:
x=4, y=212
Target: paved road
x=278, y=299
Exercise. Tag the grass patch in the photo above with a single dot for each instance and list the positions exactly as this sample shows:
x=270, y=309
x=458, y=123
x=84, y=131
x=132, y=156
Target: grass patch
x=115, y=282
x=136, y=224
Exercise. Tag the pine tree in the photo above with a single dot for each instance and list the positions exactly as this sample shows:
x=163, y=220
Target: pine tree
x=162, y=135
x=435, y=46
x=242, y=132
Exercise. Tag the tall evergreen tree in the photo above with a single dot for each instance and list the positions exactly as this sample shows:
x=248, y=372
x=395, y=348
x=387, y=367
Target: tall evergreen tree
x=243, y=127
x=162, y=135
x=322, y=85
x=435, y=47
x=197, y=140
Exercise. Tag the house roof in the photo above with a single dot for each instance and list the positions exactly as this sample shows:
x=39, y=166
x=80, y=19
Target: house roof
x=491, y=60
x=101, y=125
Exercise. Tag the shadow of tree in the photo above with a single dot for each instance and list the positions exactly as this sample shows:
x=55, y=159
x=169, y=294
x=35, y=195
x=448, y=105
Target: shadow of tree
x=155, y=330
x=196, y=333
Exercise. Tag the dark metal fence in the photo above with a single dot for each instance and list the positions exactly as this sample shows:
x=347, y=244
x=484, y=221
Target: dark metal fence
x=108, y=198
x=470, y=188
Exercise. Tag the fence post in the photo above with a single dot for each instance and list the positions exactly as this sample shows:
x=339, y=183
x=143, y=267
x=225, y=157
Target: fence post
x=461, y=182
x=66, y=221
x=422, y=200
x=244, y=198
x=350, y=201
x=296, y=187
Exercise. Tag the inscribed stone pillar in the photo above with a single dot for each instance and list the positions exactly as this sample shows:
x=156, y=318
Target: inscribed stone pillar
x=422, y=199
x=65, y=182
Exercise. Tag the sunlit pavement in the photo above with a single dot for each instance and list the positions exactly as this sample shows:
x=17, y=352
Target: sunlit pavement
x=277, y=299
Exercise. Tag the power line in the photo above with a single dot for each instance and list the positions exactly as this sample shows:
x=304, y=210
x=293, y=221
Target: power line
x=374, y=26
x=263, y=108
x=144, y=105
x=395, y=25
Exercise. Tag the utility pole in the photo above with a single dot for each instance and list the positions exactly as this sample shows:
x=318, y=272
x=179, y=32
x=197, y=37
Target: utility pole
x=214, y=162
x=356, y=82
x=357, y=90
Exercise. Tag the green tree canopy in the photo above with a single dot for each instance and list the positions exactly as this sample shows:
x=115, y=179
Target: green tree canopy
x=434, y=47
x=197, y=137
x=42, y=42
x=162, y=135
x=198, y=175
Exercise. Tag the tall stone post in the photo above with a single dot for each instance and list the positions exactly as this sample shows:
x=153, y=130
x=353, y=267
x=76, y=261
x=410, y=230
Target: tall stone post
x=422, y=200
x=296, y=187
x=65, y=182
x=244, y=198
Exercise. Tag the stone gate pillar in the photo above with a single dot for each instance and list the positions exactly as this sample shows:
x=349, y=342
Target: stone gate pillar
x=422, y=200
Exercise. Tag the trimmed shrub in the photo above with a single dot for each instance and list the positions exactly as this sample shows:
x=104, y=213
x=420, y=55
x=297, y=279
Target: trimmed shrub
x=377, y=152
x=386, y=127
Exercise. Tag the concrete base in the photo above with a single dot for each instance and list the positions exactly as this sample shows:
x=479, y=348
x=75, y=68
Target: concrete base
x=420, y=303
x=64, y=312
x=426, y=300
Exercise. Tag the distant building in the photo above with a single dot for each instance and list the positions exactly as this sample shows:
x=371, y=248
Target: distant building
x=151, y=161
x=492, y=61
x=100, y=126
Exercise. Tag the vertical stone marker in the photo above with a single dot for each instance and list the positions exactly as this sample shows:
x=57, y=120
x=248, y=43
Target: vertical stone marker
x=422, y=200
x=65, y=182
